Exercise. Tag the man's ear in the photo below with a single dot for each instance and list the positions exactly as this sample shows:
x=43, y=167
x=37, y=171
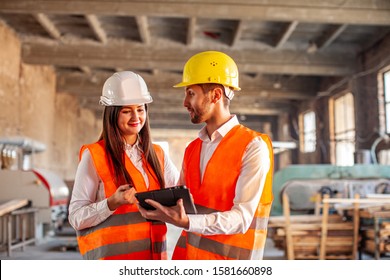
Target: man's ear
x=217, y=94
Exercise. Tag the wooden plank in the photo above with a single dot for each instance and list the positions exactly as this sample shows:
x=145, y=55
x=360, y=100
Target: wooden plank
x=317, y=232
x=282, y=232
x=324, y=227
x=356, y=224
x=312, y=250
x=305, y=240
x=338, y=257
x=383, y=233
x=330, y=240
x=338, y=226
x=280, y=220
x=378, y=195
x=289, y=241
x=369, y=246
x=357, y=200
x=318, y=205
x=12, y=205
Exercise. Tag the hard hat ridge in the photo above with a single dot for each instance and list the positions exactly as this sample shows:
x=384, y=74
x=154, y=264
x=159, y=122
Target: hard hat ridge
x=125, y=88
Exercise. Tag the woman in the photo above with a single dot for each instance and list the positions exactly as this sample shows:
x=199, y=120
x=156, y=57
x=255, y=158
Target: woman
x=124, y=161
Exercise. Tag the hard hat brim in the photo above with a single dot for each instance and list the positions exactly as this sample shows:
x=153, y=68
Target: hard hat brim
x=107, y=102
x=184, y=84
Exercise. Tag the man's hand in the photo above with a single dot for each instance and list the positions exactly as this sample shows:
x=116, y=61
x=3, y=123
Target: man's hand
x=175, y=215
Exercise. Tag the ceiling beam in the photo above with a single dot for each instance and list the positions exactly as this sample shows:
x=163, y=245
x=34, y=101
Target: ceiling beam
x=48, y=25
x=143, y=28
x=237, y=33
x=330, y=36
x=283, y=37
x=191, y=31
x=54, y=32
x=366, y=12
x=128, y=56
x=96, y=27
x=161, y=87
x=93, y=90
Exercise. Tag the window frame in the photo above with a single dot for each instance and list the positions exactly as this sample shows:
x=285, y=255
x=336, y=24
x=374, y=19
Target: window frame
x=383, y=104
x=308, y=135
x=386, y=99
x=346, y=135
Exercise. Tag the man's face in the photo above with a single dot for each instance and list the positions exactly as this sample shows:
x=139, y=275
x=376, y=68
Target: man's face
x=197, y=104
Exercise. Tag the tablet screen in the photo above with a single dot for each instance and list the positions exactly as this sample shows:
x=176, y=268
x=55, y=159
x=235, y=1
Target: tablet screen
x=168, y=197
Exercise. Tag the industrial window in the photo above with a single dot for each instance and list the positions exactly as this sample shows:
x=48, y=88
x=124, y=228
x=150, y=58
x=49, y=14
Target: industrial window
x=344, y=129
x=308, y=132
x=386, y=86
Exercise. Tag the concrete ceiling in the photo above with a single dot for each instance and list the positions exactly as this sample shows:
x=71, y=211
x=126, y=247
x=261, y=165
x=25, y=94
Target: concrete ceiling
x=285, y=50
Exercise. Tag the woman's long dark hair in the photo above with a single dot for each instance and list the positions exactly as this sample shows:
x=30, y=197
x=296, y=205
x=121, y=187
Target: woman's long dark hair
x=114, y=146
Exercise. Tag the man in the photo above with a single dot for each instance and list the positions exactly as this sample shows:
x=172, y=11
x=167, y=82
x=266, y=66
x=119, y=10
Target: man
x=228, y=170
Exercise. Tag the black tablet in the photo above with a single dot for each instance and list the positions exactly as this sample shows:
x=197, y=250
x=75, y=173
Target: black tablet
x=168, y=197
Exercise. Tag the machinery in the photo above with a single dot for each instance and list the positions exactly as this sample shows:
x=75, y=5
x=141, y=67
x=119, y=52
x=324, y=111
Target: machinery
x=303, y=182
x=44, y=189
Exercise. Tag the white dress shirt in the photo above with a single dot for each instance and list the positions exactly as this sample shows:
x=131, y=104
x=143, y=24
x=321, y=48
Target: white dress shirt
x=250, y=184
x=88, y=206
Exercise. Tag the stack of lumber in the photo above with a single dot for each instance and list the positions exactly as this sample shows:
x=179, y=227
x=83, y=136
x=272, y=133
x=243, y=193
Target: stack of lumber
x=384, y=239
x=326, y=236
x=303, y=226
x=306, y=234
x=383, y=231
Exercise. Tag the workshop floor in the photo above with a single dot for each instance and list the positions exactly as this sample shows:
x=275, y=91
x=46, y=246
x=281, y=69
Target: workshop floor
x=63, y=246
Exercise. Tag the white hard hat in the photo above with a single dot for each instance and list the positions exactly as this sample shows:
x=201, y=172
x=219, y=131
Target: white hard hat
x=125, y=88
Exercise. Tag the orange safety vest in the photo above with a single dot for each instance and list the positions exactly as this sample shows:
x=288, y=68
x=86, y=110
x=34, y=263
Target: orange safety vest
x=216, y=194
x=125, y=234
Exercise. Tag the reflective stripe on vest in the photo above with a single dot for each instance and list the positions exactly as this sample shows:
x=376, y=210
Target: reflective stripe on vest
x=214, y=194
x=125, y=234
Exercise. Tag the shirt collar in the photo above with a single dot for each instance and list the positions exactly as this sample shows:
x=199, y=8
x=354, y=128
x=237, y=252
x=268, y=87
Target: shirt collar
x=221, y=131
x=129, y=147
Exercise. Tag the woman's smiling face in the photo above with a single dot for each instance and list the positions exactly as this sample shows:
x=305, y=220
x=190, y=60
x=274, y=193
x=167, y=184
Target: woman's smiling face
x=131, y=119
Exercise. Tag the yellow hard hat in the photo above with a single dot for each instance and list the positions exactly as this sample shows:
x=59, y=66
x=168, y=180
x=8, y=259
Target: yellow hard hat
x=210, y=67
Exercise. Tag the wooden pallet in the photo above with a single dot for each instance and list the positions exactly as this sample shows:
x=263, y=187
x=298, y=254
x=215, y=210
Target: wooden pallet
x=326, y=236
